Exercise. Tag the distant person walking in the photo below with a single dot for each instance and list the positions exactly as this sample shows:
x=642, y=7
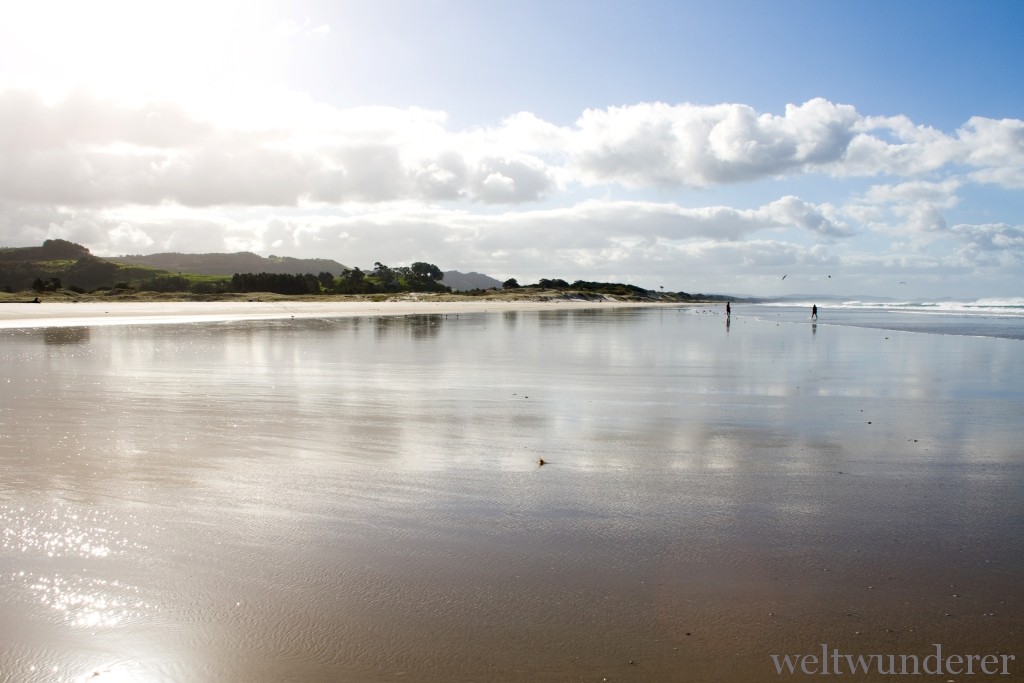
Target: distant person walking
x=728, y=310
x=814, y=312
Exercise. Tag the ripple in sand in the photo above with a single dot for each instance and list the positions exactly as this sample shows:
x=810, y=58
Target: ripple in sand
x=83, y=602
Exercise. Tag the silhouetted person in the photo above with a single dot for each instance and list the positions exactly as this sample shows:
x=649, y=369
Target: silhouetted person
x=814, y=312
x=728, y=309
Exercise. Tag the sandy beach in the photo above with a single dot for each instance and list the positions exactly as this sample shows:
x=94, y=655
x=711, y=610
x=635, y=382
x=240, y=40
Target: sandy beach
x=349, y=495
x=61, y=314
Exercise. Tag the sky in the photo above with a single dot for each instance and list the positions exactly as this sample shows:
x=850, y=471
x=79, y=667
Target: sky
x=869, y=148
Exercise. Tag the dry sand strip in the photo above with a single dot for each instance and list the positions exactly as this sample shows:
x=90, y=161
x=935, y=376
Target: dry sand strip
x=87, y=314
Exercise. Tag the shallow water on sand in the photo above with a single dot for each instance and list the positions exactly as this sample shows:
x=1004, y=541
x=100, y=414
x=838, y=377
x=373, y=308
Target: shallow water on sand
x=360, y=499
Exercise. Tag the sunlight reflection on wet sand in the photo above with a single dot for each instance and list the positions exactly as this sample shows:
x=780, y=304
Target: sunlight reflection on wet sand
x=359, y=499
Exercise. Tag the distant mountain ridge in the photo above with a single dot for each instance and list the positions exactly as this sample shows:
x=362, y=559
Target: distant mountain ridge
x=461, y=282
x=229, y=264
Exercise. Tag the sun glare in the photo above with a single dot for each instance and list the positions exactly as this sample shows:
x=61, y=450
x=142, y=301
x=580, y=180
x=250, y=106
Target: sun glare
x=164, y=49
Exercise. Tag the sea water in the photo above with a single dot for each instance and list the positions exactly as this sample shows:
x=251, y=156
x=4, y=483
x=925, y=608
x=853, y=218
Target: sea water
x=983, y=317
x=362, y=499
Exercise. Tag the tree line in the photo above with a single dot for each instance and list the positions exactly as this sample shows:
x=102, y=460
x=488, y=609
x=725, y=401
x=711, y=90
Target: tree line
x=92, y=274
x=419, y=277
x=617, y=288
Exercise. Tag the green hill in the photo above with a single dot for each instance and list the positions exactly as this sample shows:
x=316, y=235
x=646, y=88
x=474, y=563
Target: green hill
x=59, y=263
x=229, y=264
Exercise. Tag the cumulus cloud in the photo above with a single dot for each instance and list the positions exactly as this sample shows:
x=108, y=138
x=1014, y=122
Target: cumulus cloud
x=1008, y=177
x=442, y=177
x=894, y=145
x=510, y=181
x=993, y=143
x=993, y=237
x=993, y=150
x=792, y=211
x=610, y=193
x=365, y=173
x=665, y=145
x=913, y=212
x=922, y=218
x=942, y=193
x=759, y=255
x=586, y=230
x=82, y=150
x=87, y=151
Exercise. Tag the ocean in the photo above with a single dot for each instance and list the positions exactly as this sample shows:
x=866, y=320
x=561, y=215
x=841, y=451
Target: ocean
x=992, y=317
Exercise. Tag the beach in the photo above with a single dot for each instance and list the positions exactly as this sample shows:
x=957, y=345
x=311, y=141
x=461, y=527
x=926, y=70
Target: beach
x=92, y=313
x=355, y=493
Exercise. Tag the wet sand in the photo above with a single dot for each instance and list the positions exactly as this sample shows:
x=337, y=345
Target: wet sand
x=58, y=314
x=359, y=499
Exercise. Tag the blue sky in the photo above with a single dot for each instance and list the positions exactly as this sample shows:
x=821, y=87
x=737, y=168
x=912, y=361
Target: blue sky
x=705, y=147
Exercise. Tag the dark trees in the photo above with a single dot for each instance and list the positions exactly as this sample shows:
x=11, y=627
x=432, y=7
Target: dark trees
x=426, y=271
x=352, y=281
x=277, y=283
x=419, y=277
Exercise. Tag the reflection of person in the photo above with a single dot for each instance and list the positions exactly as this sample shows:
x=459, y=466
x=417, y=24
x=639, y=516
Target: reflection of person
x=814, y=312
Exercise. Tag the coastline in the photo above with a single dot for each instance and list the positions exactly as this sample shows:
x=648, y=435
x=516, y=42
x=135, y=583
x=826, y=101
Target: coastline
x=50, y=313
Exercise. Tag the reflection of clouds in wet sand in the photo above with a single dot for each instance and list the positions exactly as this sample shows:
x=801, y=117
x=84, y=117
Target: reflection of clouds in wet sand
x=358, y=499
x=180, y=312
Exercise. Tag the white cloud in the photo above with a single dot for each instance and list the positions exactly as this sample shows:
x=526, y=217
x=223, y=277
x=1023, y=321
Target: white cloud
x=943, y=194
x=442, y=177
x=82, y=149
x=664, y=145
x=994, y=149
x=1005, y=239
x=1008, y=177
x=508, y=181
x=581, y=236
x=382, y=183
x=792, y=211
x=993, y=143
x=913, y=212
x=922, y=218
x=896, y=146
